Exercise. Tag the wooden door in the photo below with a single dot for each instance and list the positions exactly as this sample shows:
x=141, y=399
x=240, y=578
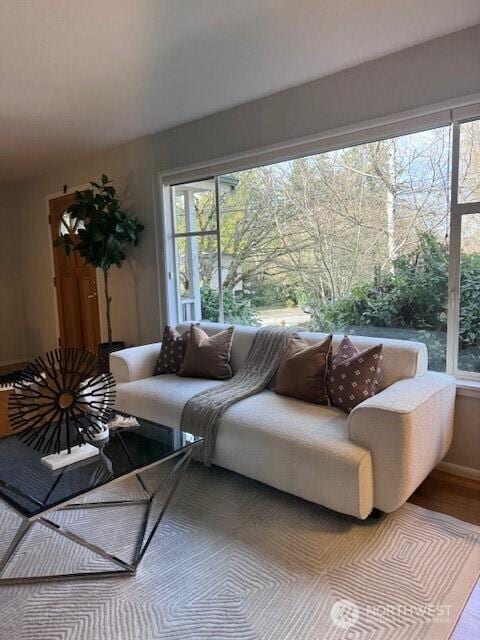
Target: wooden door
x=75, y=284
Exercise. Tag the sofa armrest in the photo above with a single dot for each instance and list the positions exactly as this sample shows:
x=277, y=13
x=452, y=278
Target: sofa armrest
x=408, y=429
x=134, y=363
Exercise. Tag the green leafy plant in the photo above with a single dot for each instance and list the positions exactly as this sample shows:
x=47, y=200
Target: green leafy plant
x=236, y=308
x=412, y=301
x=106, y=232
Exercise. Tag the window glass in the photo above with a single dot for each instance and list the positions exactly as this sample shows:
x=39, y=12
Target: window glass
x=469, y=326
x=353, y=240
x=469, y=162
x=69, y=225
x=197, y=272
x=195, y=206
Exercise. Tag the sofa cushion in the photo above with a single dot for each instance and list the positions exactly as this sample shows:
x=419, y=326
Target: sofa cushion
x=159, y=398
x=295, y=446
x=401, y=358
x=298, y=447
x=303, y=370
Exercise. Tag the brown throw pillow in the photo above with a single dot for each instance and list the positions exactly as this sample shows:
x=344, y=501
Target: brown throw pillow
x=354, y=378
x=346, y=349
x=303, y=370
x=207, y=356
x=172, y=351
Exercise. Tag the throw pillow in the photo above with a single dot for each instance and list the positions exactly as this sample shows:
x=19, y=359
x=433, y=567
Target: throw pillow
x=303, y=370
x=354, y=377
x=207, y=356
x=172, y=351
x=346, y=349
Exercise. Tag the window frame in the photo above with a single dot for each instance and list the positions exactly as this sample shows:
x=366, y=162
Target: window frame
x=457, y=212
x=321, y=144
x=170, y=227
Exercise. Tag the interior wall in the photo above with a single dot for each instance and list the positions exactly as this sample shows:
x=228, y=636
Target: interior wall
x=465, y=449
x=134, y=289
x=12, y=343
x=438, y=70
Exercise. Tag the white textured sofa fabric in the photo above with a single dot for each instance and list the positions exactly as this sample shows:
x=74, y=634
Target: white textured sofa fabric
x=376, y=457
x=408, y=429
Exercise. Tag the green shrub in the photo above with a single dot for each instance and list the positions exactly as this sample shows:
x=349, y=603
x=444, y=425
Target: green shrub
x=236, y=307
x=270, y=294
x=413, y=297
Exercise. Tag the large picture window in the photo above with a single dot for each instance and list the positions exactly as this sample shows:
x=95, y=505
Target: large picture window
x=362, y=239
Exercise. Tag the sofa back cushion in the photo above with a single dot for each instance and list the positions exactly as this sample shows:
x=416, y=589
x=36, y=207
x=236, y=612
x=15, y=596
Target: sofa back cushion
x=401, y=358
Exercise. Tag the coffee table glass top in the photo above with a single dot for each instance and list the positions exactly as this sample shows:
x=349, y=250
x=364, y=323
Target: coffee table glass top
x=31, y=488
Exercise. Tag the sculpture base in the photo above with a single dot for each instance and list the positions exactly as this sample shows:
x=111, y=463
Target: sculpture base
x=63, y=459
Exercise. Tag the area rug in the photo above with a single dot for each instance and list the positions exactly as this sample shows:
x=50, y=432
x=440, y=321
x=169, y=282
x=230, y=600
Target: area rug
x=10, y=378
x=235, y=559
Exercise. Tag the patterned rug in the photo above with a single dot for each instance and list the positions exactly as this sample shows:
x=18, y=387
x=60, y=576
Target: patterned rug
x=7, y=379
x=235, y=559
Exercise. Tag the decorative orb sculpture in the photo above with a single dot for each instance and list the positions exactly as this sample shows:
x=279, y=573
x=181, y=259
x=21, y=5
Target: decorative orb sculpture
x=61, y=400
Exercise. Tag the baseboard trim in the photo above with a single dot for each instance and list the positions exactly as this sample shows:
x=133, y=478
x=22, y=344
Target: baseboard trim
x=459, y=470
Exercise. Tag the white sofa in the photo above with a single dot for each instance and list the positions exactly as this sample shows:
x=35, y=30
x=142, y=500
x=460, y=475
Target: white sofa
x=373, y=458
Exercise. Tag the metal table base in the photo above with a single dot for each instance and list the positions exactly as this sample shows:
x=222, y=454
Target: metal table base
x=124, y=568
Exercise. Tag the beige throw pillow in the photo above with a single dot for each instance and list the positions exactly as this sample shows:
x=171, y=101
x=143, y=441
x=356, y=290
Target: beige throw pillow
x=207, y=356
x=303, y=370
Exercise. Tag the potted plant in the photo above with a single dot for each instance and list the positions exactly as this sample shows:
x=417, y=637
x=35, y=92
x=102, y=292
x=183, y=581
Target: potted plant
x=102, y=239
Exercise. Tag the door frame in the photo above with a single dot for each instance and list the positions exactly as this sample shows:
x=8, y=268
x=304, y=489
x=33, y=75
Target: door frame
x=53, y=196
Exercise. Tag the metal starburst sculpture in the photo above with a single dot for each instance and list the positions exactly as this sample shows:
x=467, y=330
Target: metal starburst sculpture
x=61, y=400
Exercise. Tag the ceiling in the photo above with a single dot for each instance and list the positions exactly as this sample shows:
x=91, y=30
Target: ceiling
x=77, y=76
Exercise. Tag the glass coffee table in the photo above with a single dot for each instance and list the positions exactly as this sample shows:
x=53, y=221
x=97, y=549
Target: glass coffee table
x=37, y=494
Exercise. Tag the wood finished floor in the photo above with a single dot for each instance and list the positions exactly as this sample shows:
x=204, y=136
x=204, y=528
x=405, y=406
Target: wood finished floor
x=459, y=497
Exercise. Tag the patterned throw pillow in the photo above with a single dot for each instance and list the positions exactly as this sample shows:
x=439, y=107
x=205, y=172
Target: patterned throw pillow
x=354, y=376
x=172, y=351
x=346, y=349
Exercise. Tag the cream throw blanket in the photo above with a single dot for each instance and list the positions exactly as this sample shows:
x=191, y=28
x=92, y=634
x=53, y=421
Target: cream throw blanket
x=202, y=413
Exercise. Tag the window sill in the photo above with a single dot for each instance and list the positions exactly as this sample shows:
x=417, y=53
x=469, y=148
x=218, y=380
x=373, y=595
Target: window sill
x=468, y=388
